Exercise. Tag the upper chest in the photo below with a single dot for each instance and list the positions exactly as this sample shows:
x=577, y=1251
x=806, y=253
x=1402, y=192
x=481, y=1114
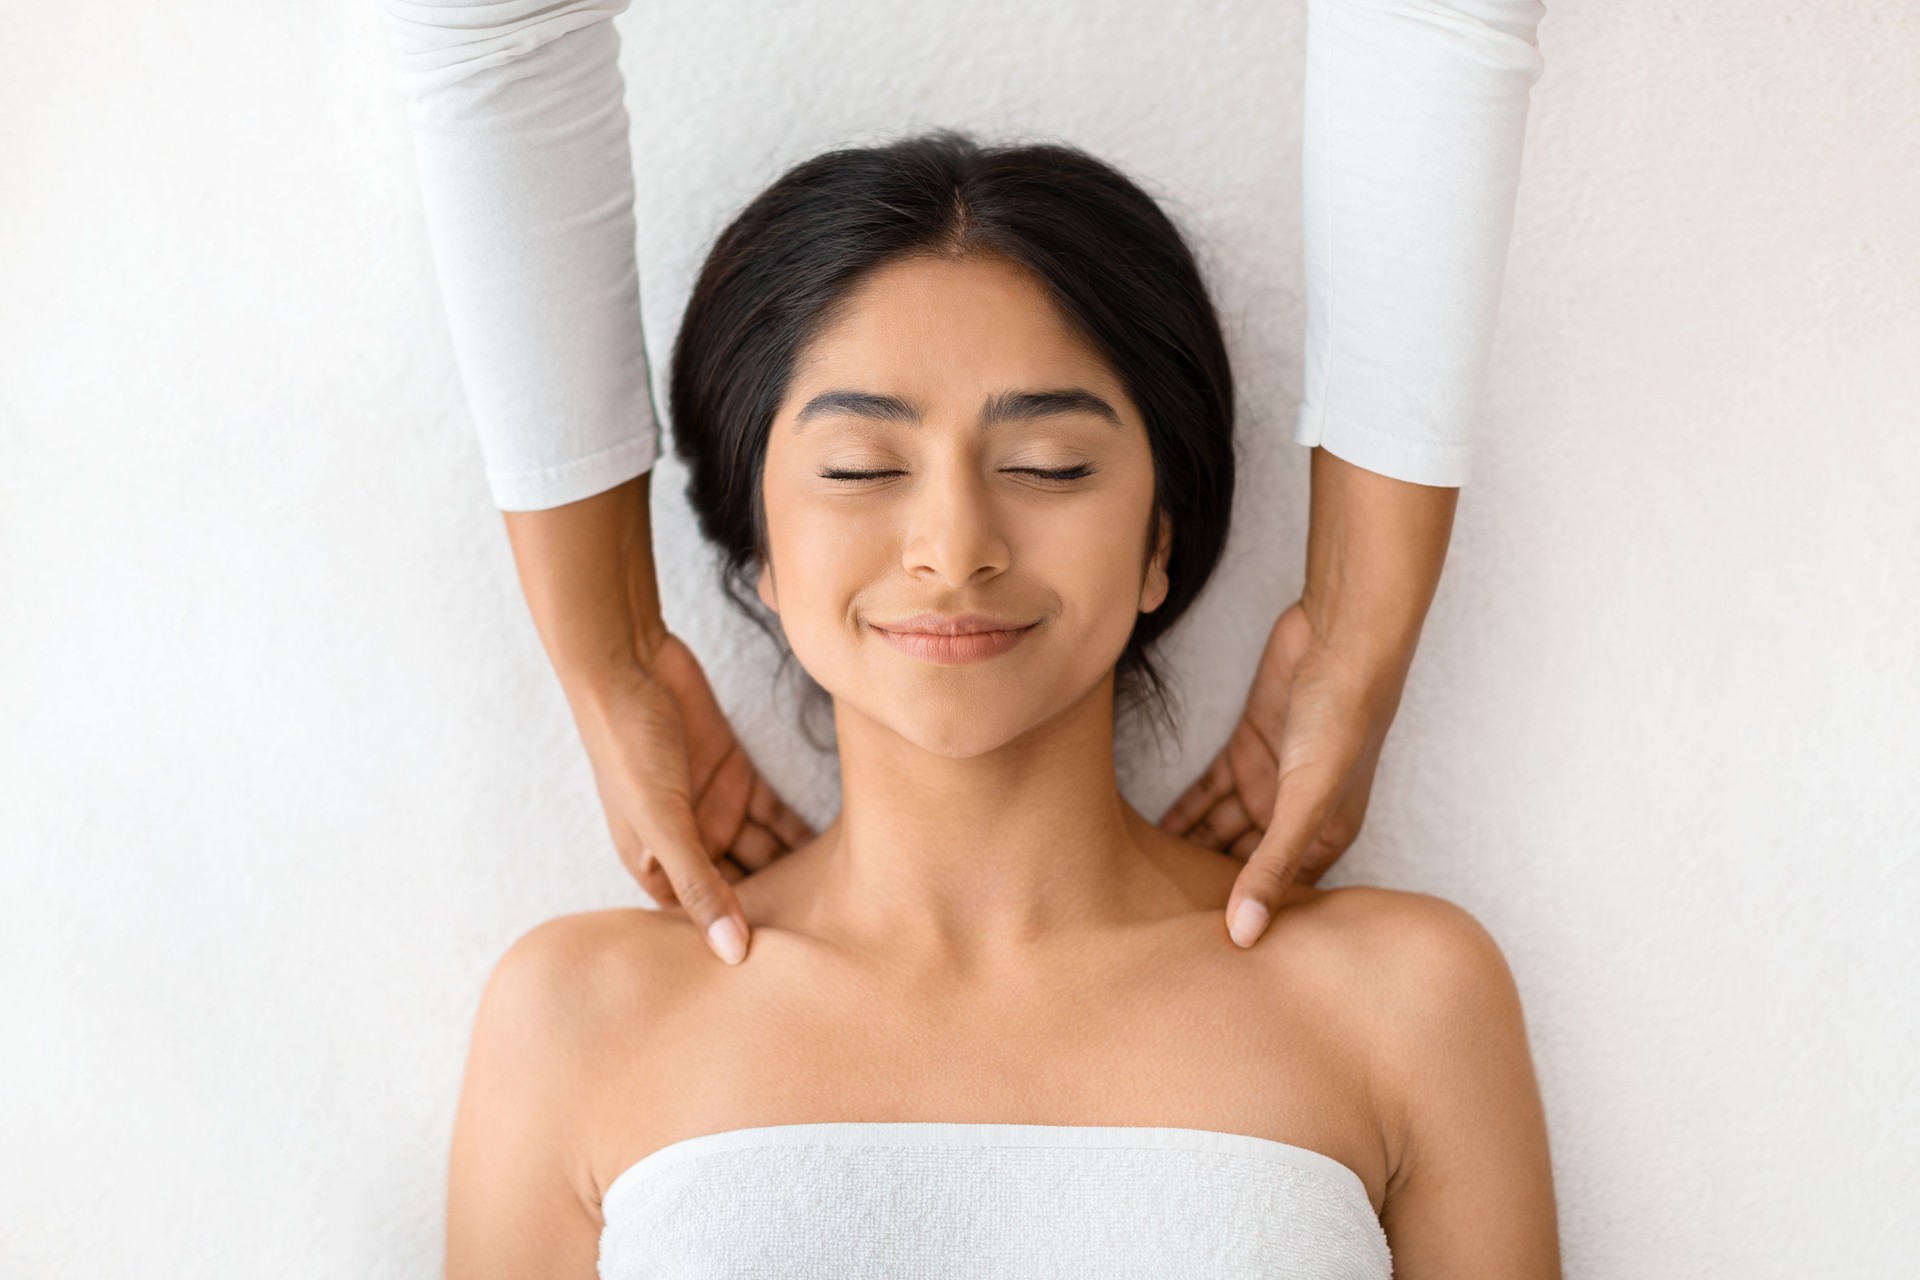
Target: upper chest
x=1166, y=1033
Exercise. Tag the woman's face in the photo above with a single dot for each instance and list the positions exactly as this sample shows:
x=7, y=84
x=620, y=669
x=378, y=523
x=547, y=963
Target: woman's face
x=907, y=476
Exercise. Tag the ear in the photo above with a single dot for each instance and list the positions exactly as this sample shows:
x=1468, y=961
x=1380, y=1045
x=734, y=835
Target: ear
x=763, y=585
x=1153, y=592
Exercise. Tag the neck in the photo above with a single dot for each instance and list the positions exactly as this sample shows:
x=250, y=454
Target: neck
x=988, y=854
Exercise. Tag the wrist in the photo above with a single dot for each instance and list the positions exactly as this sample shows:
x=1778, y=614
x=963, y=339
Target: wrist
x=594, y=678
x=600, y=693
x=587, y=572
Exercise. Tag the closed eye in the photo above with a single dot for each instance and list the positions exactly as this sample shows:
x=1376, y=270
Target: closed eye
x=1079, y=472
x=835, y=474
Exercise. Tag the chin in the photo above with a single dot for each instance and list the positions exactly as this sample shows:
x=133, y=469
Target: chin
x=956, y=723
x=957, y=732
x=956, y=741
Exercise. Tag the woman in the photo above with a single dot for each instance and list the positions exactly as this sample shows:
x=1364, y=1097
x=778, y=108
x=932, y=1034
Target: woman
x=961, y=420
x=1412, y=121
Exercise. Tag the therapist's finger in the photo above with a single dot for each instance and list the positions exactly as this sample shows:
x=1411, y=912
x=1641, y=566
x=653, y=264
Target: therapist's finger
x=1205, y=791
x=1305, y=800
x=755, y=847
x=721, y=809
x=669, y=837
x=1328, y=736
x=729, y=823
x=1322, y=759
x=1225, y=823
x=766, y=807
x=1342, y=827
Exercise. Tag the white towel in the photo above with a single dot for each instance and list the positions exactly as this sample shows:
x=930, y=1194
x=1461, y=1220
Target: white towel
x=912, y=1200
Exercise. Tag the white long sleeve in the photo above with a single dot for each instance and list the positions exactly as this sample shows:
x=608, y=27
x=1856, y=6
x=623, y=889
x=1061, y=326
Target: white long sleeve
x=520, y=131
x=1414, y=116
x=1411, y=138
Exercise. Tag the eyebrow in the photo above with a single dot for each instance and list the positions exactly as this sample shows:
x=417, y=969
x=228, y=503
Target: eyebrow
x=1008, y=406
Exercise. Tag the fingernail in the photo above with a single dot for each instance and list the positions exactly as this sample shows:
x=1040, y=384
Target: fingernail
x=1248, y=923
x=728, y=939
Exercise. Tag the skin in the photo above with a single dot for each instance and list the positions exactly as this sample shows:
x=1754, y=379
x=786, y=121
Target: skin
x=988, y=931
x=1304, y=752
x=690, y=815
x=684, y=804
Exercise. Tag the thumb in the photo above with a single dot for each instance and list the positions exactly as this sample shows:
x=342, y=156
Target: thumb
x=670, y=835
x=1304, y=802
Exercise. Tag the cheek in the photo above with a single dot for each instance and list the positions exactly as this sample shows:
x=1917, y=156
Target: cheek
x=1095, y=562
x=1098, y=570
x=823, y=554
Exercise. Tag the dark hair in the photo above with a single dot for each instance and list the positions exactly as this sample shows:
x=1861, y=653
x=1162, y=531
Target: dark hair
x=1110, y=259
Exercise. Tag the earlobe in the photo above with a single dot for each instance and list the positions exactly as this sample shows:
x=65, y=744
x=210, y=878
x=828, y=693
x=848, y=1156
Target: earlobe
x=1154, y=593
x=763, y=585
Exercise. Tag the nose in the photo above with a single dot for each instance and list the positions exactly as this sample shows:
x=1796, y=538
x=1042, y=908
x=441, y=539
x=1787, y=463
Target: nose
x=953, y=532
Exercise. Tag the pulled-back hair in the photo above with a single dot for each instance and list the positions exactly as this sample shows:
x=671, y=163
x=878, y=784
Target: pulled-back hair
x=1113, y=264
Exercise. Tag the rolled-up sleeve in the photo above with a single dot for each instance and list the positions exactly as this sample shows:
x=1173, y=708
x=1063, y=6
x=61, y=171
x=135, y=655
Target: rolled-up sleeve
x=520, y=135
x=1414, y=117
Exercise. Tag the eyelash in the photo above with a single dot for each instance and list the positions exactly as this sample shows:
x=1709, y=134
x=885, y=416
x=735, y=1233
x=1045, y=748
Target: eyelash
x=1079, y=472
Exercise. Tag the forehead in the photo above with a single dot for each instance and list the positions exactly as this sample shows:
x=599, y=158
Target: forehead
x=950, y=327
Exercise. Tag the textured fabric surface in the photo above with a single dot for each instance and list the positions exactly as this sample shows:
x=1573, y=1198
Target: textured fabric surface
x=930, y=1201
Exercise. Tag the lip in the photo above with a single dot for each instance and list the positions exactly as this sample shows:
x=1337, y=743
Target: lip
x=954, y=639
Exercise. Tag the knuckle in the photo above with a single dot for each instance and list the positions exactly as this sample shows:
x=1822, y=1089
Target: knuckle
x=700, y=894
x=1270, y=875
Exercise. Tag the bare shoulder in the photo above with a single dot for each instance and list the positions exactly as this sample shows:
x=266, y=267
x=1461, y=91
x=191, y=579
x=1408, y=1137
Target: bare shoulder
x=1470, y=1183
x=567, y=977
x=522, y=1198
x=573, y=999
x=1415, y=945
x=1417, y=980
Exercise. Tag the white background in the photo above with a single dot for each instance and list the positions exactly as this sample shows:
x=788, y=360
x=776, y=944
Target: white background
x=282, y=769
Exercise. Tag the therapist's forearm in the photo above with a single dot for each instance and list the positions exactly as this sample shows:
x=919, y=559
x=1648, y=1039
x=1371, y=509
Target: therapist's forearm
x=1375, y=549
x=586, y=569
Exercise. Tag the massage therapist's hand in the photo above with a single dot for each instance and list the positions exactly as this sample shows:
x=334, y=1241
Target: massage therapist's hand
x=1289, y=790
x=679, y=792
